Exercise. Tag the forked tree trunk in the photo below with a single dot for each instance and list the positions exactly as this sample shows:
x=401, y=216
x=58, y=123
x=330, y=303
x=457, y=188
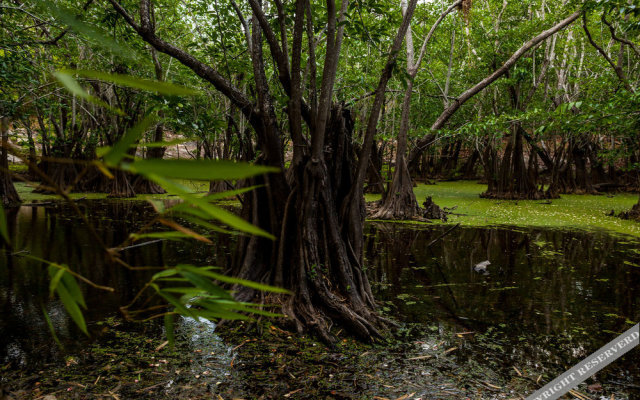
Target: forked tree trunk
x=314, y=252
x=400, y=201
x=316, y=217
x=7, y=190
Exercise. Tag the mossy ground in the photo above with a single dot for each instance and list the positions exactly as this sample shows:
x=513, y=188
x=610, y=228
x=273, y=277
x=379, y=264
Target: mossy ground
x=587, y=212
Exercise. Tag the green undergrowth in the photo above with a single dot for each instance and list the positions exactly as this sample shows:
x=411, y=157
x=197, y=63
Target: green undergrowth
x=588, y=212
x=25, y=190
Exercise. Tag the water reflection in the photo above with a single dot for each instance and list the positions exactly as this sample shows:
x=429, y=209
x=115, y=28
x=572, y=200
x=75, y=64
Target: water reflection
x=57, y=233
x=548, y=297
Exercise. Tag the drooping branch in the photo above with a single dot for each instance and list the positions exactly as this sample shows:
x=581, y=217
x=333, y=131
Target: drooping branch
x=198, y=67
x=617, y=38
x=469, y=93
x=435, y=25
x=618, y=69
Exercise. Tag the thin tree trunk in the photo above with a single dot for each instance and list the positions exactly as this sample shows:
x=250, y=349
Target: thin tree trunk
x=8, y=192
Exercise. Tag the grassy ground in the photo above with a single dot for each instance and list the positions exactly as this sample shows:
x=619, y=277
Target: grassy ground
x=25, y=190
x=570, y=211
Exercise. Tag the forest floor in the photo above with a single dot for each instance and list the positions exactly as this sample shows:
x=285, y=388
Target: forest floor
x=270, y=363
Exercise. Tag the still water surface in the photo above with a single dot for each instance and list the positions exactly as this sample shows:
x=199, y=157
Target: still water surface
x=548, y=298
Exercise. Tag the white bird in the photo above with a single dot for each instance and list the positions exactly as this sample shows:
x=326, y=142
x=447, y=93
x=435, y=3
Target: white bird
x=481, y=267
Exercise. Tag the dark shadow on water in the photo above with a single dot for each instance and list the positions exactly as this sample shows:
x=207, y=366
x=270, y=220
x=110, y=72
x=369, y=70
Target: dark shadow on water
x=549, y=298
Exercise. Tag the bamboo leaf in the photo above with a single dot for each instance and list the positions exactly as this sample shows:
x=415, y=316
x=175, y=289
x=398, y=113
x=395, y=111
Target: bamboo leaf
x=97, y=35
x=174, y=302
x=198, y=170
x=74, y=290
x=160, y=235
x=164, y=274
x=119, y=150
x=56, y=275
x=230, y=193
x=238, y=281
x=51, y=327
x=72, y=308
x=74, y=87
x=205, y=284
x=213, y=212
x=138, y=83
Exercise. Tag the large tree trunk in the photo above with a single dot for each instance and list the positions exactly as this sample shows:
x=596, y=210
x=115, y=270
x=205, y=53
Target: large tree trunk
x=317, y=216
x=314, y=252
x=7, y=190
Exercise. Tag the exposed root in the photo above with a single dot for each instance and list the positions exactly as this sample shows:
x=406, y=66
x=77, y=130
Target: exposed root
x=633, y=214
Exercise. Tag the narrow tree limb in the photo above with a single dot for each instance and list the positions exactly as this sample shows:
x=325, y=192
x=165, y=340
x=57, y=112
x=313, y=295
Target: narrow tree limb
x=618, y=70
x=245, y=25
x=200, y=68
x=619, y=39
x=469, y=93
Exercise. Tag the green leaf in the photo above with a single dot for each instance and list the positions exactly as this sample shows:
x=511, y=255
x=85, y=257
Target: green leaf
x=97, y=35
x=164, y=274
x=119, y=150
x=199, y=170
x=238, y=281
x=230, y=193
x=138, y=83
x=74, y=290
x=213, y=212
x=169, y=328
x=174, y=302
x=51, y=327
x=205, y=284
x=171, y=235
x=214, y=310
x=74, y=87
x=56, y=274
x=72, y=308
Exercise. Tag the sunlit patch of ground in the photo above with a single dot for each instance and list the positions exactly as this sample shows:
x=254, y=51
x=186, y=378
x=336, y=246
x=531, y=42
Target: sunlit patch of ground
x=570, y=211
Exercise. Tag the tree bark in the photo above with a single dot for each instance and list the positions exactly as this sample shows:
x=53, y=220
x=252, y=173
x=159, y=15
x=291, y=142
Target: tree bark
x=400, y=201
x=8, y=191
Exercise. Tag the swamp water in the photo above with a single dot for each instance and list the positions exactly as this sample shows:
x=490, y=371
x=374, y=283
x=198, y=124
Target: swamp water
x=547, y=300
